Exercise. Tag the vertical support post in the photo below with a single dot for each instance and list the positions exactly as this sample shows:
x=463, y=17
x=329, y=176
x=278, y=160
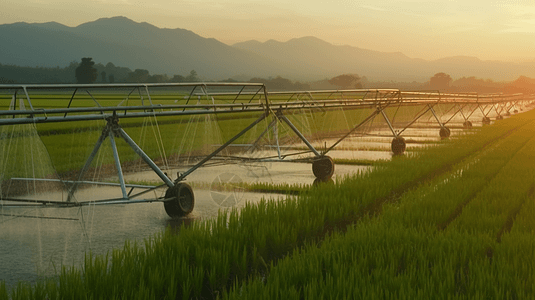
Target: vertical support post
x=140, y=96
x=118, y=165
x=13, y=104
x=268, y=109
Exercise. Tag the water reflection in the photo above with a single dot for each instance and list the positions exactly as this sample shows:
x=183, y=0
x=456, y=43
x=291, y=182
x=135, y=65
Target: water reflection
x=30, y=247
x=176, y=224
x=322, y=181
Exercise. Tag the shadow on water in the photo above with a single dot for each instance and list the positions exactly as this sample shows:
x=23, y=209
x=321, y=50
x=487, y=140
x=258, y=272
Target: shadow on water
x=176, y=224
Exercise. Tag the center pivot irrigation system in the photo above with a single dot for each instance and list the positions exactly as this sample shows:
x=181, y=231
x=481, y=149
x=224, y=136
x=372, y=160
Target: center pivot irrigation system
x=21, y=105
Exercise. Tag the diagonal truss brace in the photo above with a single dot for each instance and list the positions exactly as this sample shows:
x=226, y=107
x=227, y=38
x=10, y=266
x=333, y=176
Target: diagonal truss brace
x=113, y=130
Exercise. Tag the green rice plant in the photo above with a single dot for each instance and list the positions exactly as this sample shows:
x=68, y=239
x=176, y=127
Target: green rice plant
x=3, y=290
x=504, y=193
x=359, y=162
x=374, y=261
x=445, y=197
x=471, y=285
x=210, y=257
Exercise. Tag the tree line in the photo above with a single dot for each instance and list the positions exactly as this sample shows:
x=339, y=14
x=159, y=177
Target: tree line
x=87, y=71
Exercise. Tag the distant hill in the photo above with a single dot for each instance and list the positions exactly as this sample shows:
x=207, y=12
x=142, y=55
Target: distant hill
x=177, y=51
x=314, y=55
x=310, y=55
x=522, y=85
x=126, y=43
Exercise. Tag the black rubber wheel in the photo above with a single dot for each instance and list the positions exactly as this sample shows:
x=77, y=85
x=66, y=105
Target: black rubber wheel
x=323, y=167
x=183, y=200
x=500, y=117
x=516, y=111
x=398, y=145
x=486, y=120
x=467, y=125
x=444, y=132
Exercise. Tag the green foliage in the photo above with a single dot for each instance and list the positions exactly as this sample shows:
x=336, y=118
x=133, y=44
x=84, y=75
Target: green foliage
x=477, y=85
x=138, y=76
x=346, y=81
x=405, y=253
x=85, y=72
x=281, y=84
x=192, y=77
x=6, y=81
x=371, y=235
x=440, y=81
x=19, y=74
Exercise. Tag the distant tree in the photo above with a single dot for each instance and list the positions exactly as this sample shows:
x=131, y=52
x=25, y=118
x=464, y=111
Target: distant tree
x=440, y=81
x=192, y=77
x=158, y=78
x=85, y=72
x=177, y=78
x=6, y=81
x=280, y=84
x=346, y=81
x=299, y=86
x=103, y=74
x=119, y=73
x=521, y=85
x=473, y=84
x=138, y=76
x=364, y=82
x=111, y=78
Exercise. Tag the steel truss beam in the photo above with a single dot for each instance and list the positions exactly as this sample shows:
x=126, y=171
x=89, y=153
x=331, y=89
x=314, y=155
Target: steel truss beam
x=221, y=98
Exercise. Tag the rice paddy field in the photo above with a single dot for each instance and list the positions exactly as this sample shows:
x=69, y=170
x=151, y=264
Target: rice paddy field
x=449, y=221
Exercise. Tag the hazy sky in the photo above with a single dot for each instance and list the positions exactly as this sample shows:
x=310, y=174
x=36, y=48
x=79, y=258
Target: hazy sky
x=429, y=29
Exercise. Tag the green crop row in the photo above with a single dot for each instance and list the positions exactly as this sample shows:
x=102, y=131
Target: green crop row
x=405, y=254
x=212, y=256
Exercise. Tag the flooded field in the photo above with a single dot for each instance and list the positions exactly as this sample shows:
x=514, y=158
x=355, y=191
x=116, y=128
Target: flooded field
x=37, y=241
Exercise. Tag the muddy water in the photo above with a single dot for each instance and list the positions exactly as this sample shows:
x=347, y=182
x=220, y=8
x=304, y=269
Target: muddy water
x=37, y=241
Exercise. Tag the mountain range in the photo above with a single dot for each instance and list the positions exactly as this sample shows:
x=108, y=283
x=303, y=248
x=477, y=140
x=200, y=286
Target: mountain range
x=177, y=51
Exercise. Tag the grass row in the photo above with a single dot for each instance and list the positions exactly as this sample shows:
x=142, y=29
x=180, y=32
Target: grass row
x=211, y=257
x=406, y=253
